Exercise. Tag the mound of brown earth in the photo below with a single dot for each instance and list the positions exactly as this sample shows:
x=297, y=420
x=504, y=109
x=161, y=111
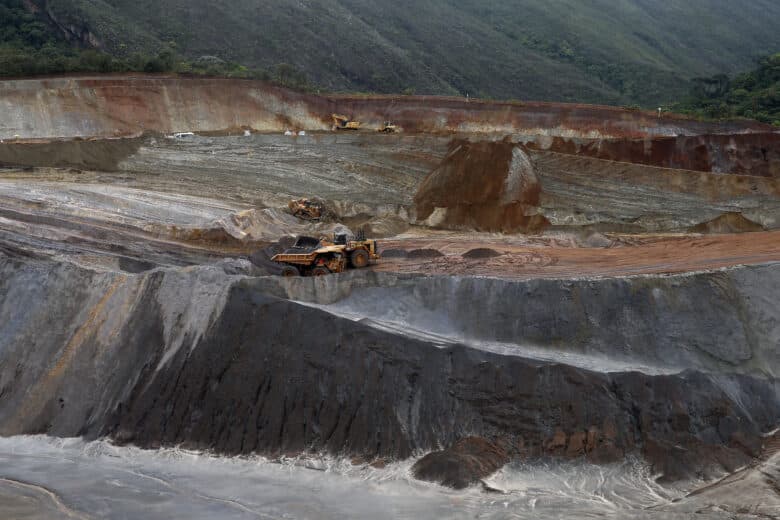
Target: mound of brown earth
x=480, y=253
x=485, y=186
x=103, y=154
x=463, y=464
x=728, y=223
x=424, y=253
x=394, y=253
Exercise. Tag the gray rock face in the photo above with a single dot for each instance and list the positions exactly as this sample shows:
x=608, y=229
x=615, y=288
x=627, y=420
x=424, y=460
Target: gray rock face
x=717, y=322
x=208, y=360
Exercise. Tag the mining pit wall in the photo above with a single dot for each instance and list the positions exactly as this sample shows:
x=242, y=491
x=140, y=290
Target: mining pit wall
x=501, y=186
x=169, y=345
x=756, y=154
x=237, y=365
x=387, y=182
x=120, y=106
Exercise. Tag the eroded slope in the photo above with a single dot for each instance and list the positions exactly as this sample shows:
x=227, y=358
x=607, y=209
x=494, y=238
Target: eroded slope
x=220, y=362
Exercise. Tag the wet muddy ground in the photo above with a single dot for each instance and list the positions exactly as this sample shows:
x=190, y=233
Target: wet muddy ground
x=69, y=479
x=562, y=257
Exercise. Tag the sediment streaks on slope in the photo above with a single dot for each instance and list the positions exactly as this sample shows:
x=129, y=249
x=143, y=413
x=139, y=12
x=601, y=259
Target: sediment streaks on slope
x=429, y=396
x=111, y=106
x=226, y=191
x=581, y=191
x=74, y=341
x=261, y=373
x=31, y=500
x=716, y=322
x=502, y=186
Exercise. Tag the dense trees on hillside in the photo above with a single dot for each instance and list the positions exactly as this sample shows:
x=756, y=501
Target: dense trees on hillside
x=34, y=44
x=755, y=94
x=28, y=45
x=628, y=52
x=31, y=46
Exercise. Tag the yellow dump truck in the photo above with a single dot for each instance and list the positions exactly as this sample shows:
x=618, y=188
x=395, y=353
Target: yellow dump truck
x=318, y=257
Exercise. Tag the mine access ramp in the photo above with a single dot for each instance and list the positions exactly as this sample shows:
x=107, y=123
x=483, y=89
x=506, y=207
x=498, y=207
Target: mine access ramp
x=322, y=256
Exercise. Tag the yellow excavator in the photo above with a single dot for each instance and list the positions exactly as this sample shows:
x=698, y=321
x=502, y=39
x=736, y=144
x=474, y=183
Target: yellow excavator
x=341, y=122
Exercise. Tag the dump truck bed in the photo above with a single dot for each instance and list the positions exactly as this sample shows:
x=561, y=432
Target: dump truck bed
x=303, y=255
x=296, y=258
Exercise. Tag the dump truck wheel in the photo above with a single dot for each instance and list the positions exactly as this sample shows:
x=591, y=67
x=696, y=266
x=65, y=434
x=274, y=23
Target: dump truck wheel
x=359, y=258
x=320, y=270
x=289, y=271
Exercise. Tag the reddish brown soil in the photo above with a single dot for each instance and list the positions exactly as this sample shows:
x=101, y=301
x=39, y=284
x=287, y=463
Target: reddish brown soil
x=481, y=253
x=473, y=184
x=127, y=105
x=436, y=113
x=755, y=154
x=660, y=254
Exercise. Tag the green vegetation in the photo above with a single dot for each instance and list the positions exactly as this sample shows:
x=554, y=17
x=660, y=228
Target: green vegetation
x=755, y=94
x=31, y=45
x=605, y=51
x=623, y=52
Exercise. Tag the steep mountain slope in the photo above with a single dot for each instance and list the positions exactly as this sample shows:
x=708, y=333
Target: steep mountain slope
x=605, y=51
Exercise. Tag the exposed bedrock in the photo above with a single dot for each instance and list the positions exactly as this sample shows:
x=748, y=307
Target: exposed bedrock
x=744, y=154
x=176, y=201
x=207, y=360
x=108, y=106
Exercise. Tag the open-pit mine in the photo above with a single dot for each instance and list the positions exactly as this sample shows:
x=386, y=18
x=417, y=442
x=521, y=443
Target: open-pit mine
x=575, y=313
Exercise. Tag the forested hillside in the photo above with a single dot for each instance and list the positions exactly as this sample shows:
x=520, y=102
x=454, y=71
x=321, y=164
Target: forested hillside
x=754, y=94
x=609, y=51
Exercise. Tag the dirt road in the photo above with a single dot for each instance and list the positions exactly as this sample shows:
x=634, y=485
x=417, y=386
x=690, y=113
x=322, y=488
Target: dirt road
x=549, y=258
